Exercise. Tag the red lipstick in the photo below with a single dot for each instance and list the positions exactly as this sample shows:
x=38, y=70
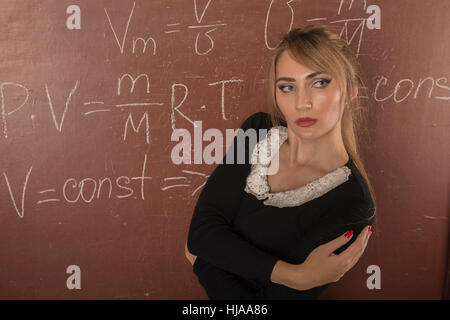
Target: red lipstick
x=305, y=122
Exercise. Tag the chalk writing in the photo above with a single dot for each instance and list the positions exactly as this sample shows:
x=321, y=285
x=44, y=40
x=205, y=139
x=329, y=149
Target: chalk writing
x=185, y=178
x=85, y=190
x=288, y=4
x=5, y=113
x=178, y=96
x=201, y=34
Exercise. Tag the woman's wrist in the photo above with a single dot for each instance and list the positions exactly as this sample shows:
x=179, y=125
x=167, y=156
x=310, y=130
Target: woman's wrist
x=289, y=275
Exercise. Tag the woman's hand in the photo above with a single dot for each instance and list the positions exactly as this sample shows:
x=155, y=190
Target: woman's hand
x=189, y=255
x=322, y=266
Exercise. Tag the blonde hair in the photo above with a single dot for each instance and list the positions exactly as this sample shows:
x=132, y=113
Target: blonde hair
x=317, y=48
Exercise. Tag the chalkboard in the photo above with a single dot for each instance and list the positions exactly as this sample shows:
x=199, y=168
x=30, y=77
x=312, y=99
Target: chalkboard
x=92, y=204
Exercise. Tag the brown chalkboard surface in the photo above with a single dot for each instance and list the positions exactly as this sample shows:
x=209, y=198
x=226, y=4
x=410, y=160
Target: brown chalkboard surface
x=92, y=204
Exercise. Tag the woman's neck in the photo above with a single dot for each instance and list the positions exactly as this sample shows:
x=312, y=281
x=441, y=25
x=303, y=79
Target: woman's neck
x=325, y=153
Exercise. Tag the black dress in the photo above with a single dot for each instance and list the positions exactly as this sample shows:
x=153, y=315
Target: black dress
x=237, y=238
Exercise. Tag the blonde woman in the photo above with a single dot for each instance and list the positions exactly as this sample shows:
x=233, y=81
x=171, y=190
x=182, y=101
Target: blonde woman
x=290, y=233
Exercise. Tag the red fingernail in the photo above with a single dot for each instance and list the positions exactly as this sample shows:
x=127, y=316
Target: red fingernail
x=348, y=234
x=370, y=229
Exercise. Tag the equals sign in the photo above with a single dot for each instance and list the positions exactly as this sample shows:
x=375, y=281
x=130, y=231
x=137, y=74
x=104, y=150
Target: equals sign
x=172, y=31
x=95, y=102
x=47, y=200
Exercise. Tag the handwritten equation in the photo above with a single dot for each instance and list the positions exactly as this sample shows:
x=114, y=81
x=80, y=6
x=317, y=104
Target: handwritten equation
x=88, y=189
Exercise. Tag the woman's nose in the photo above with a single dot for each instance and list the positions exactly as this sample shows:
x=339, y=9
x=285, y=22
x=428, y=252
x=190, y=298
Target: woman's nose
x=303, y=100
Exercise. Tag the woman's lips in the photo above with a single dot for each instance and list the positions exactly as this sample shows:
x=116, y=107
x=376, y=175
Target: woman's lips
x=305, y=122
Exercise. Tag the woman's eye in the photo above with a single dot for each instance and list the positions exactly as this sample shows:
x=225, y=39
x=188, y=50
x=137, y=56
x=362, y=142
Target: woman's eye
x=286, y=88
x=324, y=81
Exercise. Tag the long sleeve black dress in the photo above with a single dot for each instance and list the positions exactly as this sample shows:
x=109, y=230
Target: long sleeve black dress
x=238, y=238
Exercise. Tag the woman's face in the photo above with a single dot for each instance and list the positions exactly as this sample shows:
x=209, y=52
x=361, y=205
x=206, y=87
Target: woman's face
x=298, y=88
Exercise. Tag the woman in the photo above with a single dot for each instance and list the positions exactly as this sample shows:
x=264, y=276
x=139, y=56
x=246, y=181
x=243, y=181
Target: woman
x=289, y=234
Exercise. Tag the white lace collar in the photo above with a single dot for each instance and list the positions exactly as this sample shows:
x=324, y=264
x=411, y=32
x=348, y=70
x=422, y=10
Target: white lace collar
x=257, y=179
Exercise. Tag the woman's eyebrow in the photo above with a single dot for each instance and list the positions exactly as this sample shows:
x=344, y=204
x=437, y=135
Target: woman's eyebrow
x=309, y=76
